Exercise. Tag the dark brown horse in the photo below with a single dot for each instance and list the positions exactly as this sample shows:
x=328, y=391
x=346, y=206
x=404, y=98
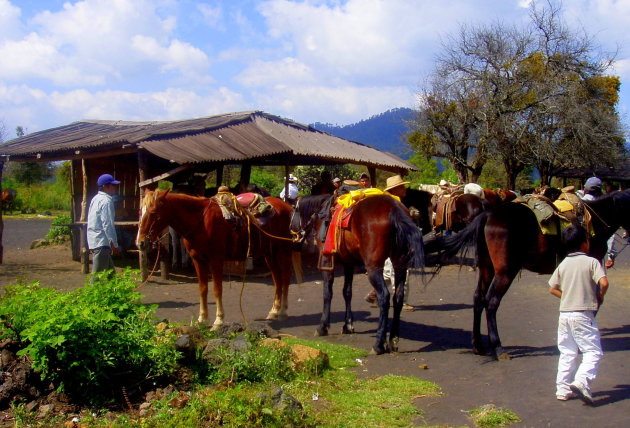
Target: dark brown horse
x=379, y=227
x=508, y=239
x=211, y=239
x=455, y=212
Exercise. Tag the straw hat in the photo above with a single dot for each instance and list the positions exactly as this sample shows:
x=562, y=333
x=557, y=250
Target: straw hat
x=395, y=181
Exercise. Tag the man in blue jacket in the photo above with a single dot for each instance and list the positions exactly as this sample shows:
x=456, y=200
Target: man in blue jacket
x=101, y=233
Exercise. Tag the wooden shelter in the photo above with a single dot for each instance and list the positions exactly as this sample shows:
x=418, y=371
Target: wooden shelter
x=141, y=153
x=618, y=174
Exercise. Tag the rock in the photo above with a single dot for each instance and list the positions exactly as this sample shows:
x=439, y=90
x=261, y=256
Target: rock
x=272, y=343
x=305, y=356
x=6, y=358
x=240, y=344
x=45, y=410
x=39, y=243
x=262, y=329
x=229, y=329
x=282, y=401
x=179, y=401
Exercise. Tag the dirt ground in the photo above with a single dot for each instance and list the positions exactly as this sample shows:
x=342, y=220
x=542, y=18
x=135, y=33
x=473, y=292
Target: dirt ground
x=436, y=335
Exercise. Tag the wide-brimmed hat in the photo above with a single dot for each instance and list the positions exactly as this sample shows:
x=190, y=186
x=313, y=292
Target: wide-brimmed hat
x=106, y=179
x=292, y=177
x=395, y=181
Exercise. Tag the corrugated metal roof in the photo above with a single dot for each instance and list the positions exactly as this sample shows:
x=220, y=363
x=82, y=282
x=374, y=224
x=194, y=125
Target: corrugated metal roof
x=233, y=137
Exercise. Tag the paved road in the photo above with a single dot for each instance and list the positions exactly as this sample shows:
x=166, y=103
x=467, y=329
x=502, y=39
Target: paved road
x=437, y=335
x=19, y=233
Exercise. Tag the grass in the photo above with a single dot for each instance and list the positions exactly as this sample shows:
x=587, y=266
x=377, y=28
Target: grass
x=490, y=416
x=334, y=398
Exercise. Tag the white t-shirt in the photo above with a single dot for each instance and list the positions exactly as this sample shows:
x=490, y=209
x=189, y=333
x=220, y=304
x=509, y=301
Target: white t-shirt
x=577, y=276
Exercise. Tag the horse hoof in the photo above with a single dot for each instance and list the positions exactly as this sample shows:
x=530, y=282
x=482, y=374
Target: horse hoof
x=479, y=351
x=320, y=332
x=272, y=316
x=379, y=351
x=347, y=330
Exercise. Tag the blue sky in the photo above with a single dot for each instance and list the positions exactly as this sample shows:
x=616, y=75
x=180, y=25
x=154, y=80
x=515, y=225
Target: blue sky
x=336, y=61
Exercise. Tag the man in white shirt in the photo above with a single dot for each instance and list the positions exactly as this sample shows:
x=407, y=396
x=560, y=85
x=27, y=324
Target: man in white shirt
x=101, y=233
x=293, y=191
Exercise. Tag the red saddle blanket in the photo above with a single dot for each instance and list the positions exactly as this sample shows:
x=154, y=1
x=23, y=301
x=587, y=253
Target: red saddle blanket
x=246, y=199
x=340, y=220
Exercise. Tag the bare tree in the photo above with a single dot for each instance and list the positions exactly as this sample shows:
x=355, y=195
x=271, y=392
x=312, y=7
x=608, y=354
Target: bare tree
x=531, y=96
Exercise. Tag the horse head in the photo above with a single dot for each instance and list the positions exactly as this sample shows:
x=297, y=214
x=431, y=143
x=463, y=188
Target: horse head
x=152, y=219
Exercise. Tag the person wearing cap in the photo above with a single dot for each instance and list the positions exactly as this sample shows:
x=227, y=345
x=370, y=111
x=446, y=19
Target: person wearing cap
x=394, y=185
x=101, y=233
x=592, y=191
x=293, y=191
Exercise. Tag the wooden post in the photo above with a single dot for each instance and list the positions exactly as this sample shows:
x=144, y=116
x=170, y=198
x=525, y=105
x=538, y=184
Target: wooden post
x=372, y=172
x=219, y=175
x=142, y=175
x=85, y=252
x=1, y=220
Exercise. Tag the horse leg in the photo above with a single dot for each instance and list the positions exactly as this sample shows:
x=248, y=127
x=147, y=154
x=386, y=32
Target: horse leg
x=400, y=277
x=324, y=324
x=202, y=277
x=479, y=304
x=496, y=291
x=217, y=282
x=382, y=295
x=279, y=263
x=348, y=274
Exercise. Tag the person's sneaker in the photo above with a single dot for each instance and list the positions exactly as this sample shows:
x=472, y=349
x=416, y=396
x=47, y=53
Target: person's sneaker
x=582, y=393
x=569, y=396
x=408, y=307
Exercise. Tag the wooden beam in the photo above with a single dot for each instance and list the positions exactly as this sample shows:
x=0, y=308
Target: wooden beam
x=167, y=174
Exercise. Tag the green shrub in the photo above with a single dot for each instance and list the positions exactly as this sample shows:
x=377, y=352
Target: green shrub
x=59, y=233
x=90, y=339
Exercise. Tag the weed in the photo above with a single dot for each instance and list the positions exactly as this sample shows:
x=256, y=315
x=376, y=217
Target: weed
x=489, y=416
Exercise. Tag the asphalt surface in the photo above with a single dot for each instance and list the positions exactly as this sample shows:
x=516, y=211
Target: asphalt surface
x=435, y=339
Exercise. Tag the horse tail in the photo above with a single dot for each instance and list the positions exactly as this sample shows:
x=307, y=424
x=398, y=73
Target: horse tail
x=450, y=246
x=407, y=236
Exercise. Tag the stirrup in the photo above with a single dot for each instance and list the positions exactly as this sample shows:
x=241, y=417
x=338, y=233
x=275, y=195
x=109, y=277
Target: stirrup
x=326, y=262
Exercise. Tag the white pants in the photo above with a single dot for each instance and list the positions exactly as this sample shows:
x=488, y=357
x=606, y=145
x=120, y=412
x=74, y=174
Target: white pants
x=577, y=331
x=388, y=275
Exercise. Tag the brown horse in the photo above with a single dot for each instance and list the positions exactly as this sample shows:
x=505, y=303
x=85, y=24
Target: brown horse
x=508, y=239
x=7, y=199
x=211, y=240
x=456, y=211
x=379, y=227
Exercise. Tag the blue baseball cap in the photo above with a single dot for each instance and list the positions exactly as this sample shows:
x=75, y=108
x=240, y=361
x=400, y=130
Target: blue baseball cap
x=106, y=179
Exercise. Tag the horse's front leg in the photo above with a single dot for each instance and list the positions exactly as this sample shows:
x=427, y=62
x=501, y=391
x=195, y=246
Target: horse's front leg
x=324, y=324
x=201, y=268
x=382, y=294
x=217, y=283
x=400, y=277
x=348, y=274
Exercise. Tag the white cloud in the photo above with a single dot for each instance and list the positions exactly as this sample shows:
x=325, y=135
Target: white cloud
x=275, y=74
x=37, y=110
x=345, y=104
x=363, y=39
x=212, y=16
x=10, y=25
x=93, y=42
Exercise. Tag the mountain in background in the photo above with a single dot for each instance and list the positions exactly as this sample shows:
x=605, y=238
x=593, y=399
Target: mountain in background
x=385, y=131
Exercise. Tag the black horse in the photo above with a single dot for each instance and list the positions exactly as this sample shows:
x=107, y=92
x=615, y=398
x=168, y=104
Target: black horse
x=379, y=227
x=508, y=239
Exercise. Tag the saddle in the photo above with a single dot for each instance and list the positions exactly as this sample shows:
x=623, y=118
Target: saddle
x=445, y=209
x=237, y=207
x=552, y=218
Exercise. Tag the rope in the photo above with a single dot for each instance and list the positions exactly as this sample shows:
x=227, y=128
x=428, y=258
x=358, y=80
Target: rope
x=157, y=259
